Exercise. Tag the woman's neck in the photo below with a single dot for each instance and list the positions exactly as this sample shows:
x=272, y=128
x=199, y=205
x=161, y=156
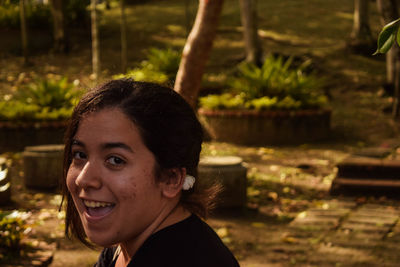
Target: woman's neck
x=166, y=218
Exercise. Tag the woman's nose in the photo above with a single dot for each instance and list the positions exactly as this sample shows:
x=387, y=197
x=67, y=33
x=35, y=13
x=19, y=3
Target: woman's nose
x=89, y=176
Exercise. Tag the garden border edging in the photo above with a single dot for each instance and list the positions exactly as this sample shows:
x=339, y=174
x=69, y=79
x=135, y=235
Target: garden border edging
x=280, y=127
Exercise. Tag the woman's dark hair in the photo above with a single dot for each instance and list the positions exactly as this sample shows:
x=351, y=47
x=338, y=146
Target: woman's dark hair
x=168, y=126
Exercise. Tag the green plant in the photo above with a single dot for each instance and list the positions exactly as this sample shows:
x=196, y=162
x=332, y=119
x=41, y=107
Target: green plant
x=274, y=85
x=161, y=66
x=12, y=229
x=388, y=36
x=37, y=15
x=53, y=93
x=45, y=99
x=224, y=101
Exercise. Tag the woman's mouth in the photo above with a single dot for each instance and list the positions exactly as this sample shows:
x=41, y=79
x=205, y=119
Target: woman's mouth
x=98, y=209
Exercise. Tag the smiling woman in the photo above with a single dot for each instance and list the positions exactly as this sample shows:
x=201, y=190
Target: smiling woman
x=131, y=157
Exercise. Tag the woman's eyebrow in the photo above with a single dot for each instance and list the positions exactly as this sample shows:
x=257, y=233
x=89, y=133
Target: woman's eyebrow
x=77, y=143
x=117, y=145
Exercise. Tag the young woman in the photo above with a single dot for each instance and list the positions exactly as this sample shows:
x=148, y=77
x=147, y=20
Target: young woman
x=130, y=186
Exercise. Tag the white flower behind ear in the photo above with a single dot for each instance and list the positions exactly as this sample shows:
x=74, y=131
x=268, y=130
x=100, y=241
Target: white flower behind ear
x=188, y=183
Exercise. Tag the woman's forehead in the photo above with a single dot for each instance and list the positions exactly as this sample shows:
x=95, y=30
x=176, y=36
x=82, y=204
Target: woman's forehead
x=107, y=124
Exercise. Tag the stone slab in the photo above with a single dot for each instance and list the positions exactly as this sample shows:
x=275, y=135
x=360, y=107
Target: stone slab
x=367, y=168
x=367, y=228
x=375, y=152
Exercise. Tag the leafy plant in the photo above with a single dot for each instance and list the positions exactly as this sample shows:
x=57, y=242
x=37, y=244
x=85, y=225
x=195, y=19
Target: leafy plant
x=224, y=101
x=49, y=93
x=37, y=15
x=46, y=99
x=274, y=85
x=388, y=36
x=264, y=102
x=12, y=229
x=161, y=66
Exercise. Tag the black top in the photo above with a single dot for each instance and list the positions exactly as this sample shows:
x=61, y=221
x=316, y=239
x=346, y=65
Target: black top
x=189, y=243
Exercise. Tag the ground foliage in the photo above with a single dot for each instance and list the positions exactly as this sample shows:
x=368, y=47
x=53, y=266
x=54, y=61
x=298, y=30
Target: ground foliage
x=274, y=85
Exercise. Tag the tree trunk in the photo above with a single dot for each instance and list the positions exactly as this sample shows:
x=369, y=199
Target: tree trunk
x=123, y=38
x=95, y=41
x=24, y=33
x=197, y=50
x=108, y=5
x=389, y=12
x=248, y=11
x=60, y=39
x=361, y=29
x=396, y=83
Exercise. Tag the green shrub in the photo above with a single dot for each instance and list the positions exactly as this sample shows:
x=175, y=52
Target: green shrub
x=53, y=93
x=161, y=66
x=37, y=15
x=45, y=99
x=224, y=101
x=264, y=102
x=274, y=85
x=12, y=228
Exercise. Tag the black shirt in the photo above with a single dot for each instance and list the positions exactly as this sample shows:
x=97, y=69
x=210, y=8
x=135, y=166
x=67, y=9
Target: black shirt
x=189, y=243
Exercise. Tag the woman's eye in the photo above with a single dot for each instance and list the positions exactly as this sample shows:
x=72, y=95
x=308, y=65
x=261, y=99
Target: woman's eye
x=113, y=160
x=79, y=155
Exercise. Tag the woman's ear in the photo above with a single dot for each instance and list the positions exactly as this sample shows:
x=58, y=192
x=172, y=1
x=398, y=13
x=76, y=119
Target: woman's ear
x=172, y=181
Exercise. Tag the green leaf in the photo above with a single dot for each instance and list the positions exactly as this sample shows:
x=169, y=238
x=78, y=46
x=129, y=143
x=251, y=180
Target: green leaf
x=387, y=37
x=398, y=37
x=386, y=44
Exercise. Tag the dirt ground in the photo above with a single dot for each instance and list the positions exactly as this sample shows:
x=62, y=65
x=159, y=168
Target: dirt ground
x=283, y=183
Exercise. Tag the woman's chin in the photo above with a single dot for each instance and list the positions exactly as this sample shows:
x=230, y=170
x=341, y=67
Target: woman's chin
x=102, y=242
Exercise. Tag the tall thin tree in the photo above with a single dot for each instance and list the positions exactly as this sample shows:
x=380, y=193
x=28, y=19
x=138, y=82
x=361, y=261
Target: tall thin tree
x=59, y=31
x=361, y=29
x=197, y=50
x=123, y=38
x=95, y=41
x=24, y=32
x=248, y=12
x=389, y=10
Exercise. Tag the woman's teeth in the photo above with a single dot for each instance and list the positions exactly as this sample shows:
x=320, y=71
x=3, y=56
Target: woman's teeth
x=96, y=204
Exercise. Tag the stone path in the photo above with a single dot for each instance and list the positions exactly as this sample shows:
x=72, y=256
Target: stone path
x=344, y=233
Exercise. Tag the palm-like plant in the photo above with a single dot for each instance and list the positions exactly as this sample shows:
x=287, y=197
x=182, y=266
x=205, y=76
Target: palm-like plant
x=160, y=66
x=274, y=85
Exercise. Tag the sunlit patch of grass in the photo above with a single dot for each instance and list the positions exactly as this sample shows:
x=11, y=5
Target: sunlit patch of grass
x=218, y=149
x=287, y=187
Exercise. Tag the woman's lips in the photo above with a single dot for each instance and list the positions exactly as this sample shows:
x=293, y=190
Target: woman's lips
x=98, y=209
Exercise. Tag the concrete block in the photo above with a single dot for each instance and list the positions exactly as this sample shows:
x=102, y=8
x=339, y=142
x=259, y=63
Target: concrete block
x=43, y=166
x=231, y=174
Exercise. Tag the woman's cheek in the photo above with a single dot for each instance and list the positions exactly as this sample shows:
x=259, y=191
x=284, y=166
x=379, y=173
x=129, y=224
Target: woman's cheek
x=71, y=177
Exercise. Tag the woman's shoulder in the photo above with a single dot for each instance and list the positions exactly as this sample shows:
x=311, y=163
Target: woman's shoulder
x=209, y=247
x=196, y=242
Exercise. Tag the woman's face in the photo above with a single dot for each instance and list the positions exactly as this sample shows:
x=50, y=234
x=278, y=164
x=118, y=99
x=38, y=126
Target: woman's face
x=112, y=178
